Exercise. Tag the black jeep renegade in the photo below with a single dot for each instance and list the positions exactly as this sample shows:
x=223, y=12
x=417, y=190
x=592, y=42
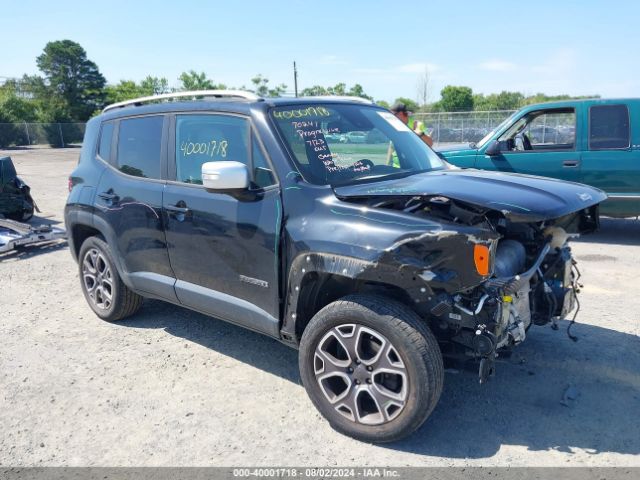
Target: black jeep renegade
x=328, y=224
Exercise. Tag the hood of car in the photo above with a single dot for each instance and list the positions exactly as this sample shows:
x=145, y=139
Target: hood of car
x=520, y=198
x=456, y=148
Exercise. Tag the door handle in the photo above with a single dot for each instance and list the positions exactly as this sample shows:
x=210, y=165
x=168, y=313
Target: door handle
x=176, y=209
x=571, y=163
x=109, y=196
x=179, y=211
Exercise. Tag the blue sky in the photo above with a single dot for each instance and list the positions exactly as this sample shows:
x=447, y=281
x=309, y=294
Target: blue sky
x=576, y=47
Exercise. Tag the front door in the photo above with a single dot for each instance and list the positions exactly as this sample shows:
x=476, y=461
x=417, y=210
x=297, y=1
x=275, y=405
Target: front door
x=223, y=247
x=542, y=142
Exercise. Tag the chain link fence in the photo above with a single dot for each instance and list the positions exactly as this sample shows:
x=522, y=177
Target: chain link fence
x=461, y=127
x=444, y=127
x=53, y=134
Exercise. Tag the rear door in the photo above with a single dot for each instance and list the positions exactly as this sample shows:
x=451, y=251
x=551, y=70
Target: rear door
x=223, y=246
x=611, y=160
x=129, y=201
x=543, y=142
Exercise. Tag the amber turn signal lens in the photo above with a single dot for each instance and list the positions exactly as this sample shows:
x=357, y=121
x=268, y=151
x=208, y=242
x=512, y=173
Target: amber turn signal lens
x=481, y=259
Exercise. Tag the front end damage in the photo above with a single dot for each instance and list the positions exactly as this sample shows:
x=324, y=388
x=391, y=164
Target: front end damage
x=531, y=277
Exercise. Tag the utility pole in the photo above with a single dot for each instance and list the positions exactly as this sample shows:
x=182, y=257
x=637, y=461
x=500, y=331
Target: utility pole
x=295, y=78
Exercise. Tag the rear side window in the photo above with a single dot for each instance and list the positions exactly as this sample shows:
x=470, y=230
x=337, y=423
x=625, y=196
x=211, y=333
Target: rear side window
x=609, y=127
x=209, y=138
x=104, y=148
x=139, y=143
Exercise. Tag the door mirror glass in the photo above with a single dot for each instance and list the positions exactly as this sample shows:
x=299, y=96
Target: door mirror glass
x=493, y=148
x=225, y=175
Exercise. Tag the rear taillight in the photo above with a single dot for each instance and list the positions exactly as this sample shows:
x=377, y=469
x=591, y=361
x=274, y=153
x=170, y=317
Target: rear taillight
x=70, y=184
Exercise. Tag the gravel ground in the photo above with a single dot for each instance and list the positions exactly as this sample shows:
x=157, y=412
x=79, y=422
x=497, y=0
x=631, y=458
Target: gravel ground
x=172, y=387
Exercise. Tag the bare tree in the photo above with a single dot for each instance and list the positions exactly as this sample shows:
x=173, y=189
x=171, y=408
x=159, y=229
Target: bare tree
x=424, y=87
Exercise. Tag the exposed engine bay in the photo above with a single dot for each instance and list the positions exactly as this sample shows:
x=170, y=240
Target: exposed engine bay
x=533, y=278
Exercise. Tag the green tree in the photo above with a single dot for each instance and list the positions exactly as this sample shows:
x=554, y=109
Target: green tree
x=70, y=75
x=509, y=100
x=15, y=109
x=154, y=86
x=261, y=87
x=337, y=89
x=383, y=104
x=358, y=91
x=193, y=80
x=314, y=91
x=123, y=90
x=456, y=99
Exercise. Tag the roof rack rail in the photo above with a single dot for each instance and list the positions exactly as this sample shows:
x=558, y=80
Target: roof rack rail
x=194, y=93
x=341, y=97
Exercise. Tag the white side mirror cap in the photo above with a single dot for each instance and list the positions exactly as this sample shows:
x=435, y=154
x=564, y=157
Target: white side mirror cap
x=225, y=175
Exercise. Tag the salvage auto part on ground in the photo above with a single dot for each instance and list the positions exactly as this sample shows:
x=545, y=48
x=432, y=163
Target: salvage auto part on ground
x=15, y=195
x=17, y=234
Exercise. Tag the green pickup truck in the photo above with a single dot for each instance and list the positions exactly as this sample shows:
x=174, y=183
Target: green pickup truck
x=594, y=141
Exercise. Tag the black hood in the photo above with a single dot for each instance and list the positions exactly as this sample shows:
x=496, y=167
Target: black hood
x=520, y=198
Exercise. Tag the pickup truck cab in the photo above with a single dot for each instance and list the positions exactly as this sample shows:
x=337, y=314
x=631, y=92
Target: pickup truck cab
x=253, y=211
x=594, y=141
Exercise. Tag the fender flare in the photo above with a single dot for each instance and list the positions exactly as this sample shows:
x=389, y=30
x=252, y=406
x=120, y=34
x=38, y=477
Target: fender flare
x=88, y=219
x=404, y=277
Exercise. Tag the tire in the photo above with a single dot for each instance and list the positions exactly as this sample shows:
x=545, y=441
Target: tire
x=27, y=214
x=101, y=284
x=398, y=341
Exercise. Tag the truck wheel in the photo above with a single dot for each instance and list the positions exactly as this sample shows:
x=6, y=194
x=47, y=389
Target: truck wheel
x=101, y=284
x=372, y=367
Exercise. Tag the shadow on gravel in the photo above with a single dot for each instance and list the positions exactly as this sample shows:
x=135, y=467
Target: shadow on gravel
x=30, y=251
x=230, y=340
x=620, y=231
x=49, y=220
x=530, y=402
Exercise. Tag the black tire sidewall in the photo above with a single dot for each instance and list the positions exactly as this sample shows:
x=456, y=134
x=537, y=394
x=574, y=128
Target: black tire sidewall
x=102, y=247
x=419, y=399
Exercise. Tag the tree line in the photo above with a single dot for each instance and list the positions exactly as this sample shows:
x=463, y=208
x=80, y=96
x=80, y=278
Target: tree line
x=71, y=88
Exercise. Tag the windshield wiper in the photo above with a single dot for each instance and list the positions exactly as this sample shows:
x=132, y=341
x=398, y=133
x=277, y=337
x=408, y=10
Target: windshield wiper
x=382, y=176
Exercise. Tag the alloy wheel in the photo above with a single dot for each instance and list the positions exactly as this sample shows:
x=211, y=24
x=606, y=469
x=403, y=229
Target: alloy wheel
x=361, y=374
x=97, y=278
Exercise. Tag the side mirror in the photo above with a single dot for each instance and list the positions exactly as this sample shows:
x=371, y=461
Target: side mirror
x=493, y=148
x=225, y=175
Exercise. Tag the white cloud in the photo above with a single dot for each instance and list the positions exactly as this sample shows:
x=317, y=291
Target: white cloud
x=497, y=65
x=331, y=60
x=561, y=61
x=418, y=68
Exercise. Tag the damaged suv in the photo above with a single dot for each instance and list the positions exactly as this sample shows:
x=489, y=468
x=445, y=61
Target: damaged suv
x=373, y=258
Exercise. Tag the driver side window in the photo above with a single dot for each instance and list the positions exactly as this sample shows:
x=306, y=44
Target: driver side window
x=208, y=138
x=544, y=130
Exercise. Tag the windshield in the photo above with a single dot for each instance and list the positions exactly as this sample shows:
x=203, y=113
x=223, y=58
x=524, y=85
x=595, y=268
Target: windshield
x=338, y=144
x=489, y=135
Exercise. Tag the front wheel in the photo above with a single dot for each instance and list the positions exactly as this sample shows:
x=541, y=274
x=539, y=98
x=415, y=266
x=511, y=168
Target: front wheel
x=372, y=367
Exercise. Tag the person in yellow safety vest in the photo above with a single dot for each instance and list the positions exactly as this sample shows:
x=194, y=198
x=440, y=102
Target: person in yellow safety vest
x=399, y=109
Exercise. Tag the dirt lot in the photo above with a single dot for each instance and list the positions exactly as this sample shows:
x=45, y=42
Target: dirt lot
x=172, y=387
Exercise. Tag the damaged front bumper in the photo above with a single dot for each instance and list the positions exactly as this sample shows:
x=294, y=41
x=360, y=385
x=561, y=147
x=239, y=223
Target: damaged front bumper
x=495, y=317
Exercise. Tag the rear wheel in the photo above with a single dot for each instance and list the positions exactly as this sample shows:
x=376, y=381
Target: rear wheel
x=372, y=367
x=102, y=286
